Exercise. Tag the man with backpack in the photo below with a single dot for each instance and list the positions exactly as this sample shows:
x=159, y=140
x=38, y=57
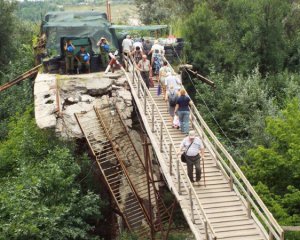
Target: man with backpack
x=163, y=71
x=171, y=97
x=172, y=80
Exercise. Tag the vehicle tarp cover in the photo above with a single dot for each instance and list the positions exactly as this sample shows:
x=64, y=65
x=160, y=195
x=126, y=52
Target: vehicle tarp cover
x=88, y=24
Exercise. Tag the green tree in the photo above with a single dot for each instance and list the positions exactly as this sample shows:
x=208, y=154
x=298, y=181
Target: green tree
x=240, y=107
x=237, y=35
x=7, y=28
x=40, y=197
x=278, y=165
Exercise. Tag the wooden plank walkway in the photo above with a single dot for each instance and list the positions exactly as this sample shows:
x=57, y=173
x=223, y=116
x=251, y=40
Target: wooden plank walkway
x=214, y=211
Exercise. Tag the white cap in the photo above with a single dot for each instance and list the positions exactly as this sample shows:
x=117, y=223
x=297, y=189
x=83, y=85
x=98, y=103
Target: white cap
x=192, y=134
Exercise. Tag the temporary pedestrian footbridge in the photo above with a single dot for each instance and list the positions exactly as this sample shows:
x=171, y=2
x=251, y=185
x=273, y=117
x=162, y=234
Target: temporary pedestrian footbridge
x=223, y=206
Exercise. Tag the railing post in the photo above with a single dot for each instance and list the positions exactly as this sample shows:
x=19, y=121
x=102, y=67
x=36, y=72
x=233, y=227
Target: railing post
x=178, y=177
x=171, y=160
x=145, y=101
x=161, y=136
x=139, y=86
x=133, y=74
x=153, y=118
x=271, y=237
x=205, y=230
x=282, y=236
x=192, y=205
x=248, y=204
x=192, y=120
x=231, y=177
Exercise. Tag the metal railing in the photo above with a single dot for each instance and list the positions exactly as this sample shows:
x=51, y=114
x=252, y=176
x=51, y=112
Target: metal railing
x=237, y=179
x=167, y=149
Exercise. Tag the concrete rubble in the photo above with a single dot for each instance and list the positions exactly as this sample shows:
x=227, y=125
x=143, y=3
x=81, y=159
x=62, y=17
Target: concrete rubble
x=58, y=97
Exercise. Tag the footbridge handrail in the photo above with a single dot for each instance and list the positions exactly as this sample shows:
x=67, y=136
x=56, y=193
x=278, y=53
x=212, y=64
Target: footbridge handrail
x=235, y=175
x=232, y=170
x=159, y=128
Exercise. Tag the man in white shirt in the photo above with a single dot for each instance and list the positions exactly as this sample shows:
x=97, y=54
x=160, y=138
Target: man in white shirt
x=172, y=80
x=127, y=45
x=138, y=44
x=193, y=148
x=144, y=67
x=157, y=46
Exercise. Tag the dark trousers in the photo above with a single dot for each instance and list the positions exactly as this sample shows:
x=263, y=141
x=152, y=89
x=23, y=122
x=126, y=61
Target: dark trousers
x=191, y=162
x=145, y=76
x=69, y=64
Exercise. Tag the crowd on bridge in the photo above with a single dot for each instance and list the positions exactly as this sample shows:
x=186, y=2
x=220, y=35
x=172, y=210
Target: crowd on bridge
x=149, y=59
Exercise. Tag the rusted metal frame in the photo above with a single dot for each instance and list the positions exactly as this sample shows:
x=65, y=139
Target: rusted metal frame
x=135, y=150
x=133, y=144
x=170, y=219
x=106, y=181
x=146, y=157
x=159, y=201
x=20, y=78
x=122, y=165
x=107, y=156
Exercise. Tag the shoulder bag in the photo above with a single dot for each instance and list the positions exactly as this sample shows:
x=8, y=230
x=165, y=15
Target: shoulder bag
x=183, y=155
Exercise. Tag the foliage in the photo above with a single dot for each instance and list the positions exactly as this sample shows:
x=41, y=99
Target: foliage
x=35, y=11
x=239, y=106
x=7, y=24
x=237, y=35
x=278, y=165
x=158, y=11
x=39, y=197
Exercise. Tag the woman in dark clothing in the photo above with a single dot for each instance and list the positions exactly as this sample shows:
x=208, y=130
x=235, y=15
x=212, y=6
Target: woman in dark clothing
x=183, y=111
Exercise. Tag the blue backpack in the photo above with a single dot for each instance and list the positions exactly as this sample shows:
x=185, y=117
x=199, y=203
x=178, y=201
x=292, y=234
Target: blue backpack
x=173, y=98
x=106, y=47
x=70, y=49
x=86, y=57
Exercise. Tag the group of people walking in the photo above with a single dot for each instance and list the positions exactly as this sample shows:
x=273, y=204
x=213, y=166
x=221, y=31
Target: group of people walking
x=148, y=57
x=149, y=60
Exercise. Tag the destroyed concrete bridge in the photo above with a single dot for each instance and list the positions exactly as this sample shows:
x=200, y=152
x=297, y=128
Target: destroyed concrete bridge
x=98, y=107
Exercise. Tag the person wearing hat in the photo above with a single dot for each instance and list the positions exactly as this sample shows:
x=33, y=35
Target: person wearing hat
x=193, y=148
x=69, y=56
x=144, y=67
x=170, y=80
x=83, y=59
x=157, y=47
x=127, y=47
x=104, y=51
